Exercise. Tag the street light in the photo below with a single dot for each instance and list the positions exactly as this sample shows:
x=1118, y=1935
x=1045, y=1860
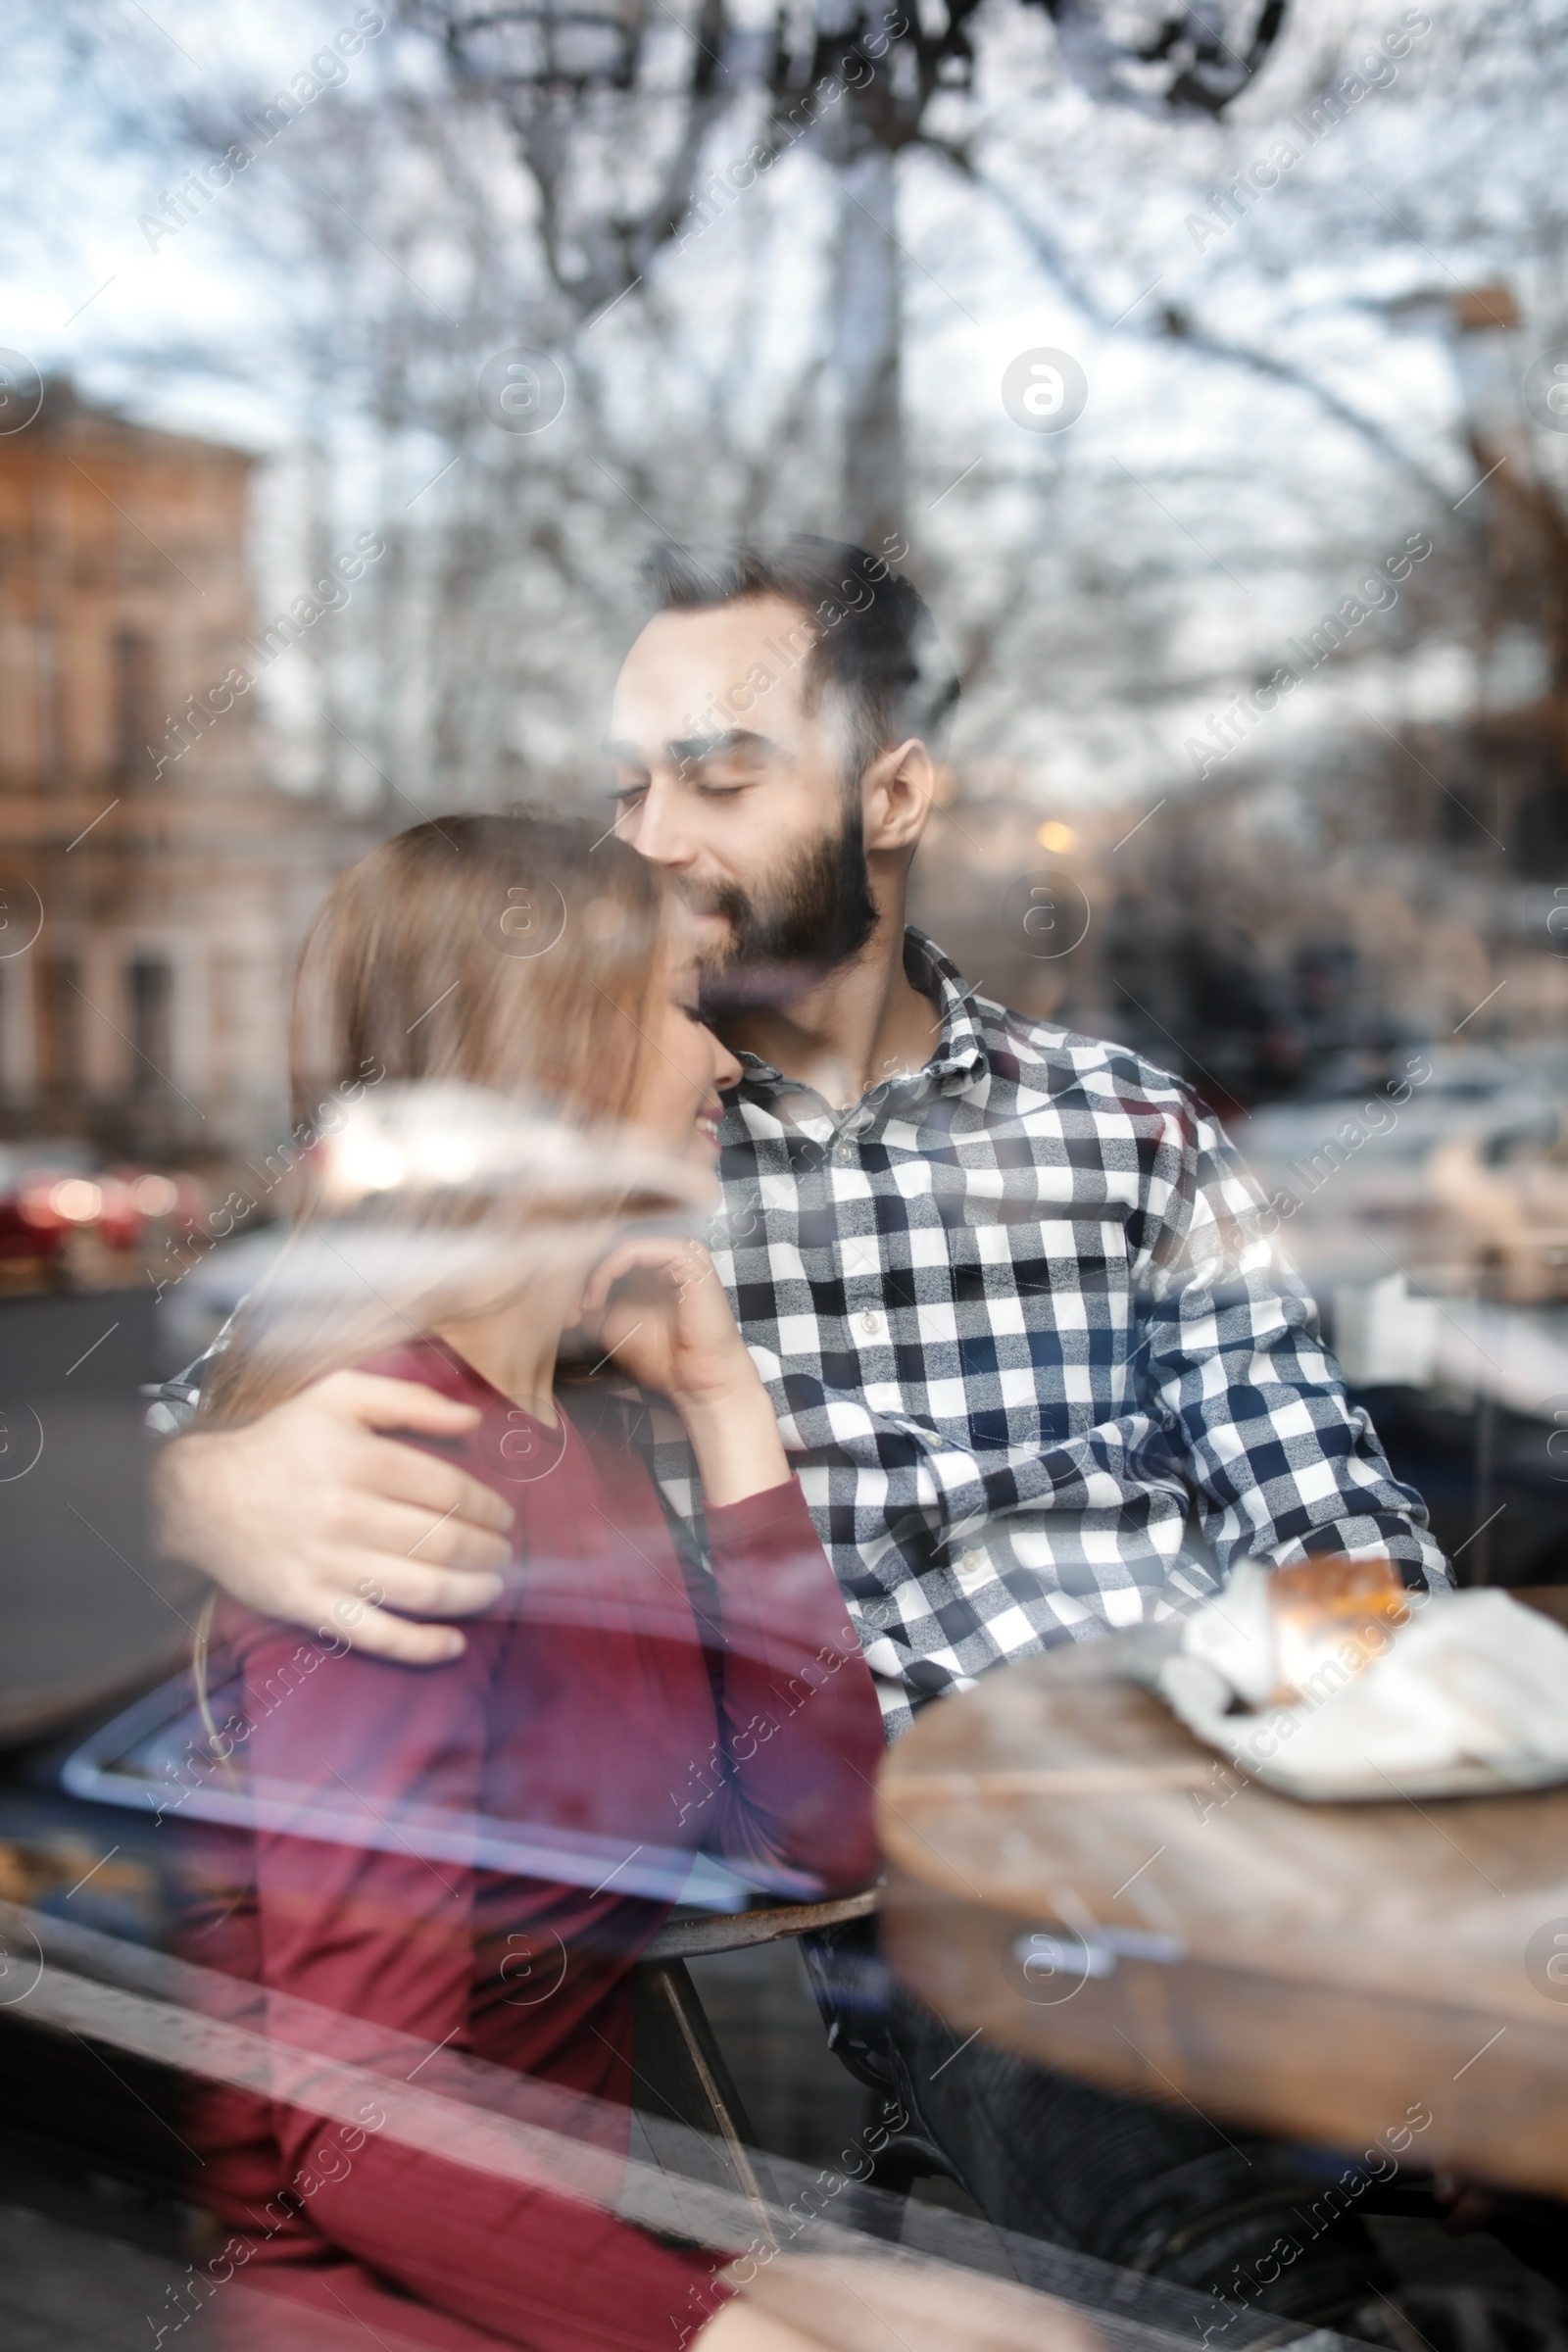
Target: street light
x=1194, y=62
x=649, y=85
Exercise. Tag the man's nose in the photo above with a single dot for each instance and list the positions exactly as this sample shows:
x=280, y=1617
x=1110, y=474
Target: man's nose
x=657, y=830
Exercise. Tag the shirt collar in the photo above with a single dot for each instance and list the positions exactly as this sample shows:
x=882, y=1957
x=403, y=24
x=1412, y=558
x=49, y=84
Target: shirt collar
x=960, y=1053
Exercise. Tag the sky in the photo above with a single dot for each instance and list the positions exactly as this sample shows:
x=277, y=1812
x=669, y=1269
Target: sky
x=1074, y=230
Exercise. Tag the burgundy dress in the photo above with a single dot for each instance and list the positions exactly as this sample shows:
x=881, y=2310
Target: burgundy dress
x=615, y=1709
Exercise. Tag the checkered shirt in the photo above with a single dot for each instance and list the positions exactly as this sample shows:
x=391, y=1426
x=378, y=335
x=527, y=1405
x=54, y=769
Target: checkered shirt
x=1037, y=1363
x=1039, y=1366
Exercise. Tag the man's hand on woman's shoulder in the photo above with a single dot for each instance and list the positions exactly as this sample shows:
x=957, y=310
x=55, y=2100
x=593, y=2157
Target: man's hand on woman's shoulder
x=310, y=1515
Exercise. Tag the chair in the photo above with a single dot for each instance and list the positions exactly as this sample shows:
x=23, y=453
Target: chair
x=681, y=2074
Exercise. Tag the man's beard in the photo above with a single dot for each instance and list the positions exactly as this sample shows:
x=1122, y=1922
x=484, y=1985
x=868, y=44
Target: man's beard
x=819, y=917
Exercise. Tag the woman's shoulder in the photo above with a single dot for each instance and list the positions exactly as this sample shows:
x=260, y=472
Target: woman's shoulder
x=256, y=1645
x=245, y=1646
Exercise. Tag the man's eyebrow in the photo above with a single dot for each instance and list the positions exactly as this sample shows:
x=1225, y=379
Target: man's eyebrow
x=688, y=751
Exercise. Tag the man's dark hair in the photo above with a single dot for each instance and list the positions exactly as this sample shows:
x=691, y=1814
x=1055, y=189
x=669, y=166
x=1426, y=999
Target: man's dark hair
x=872, y=644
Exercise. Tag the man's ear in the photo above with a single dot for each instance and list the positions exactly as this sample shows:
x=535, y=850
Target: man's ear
x=896, y=794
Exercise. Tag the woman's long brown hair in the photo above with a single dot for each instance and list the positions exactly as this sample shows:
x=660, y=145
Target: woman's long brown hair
x=513, y=951
x=518, y=953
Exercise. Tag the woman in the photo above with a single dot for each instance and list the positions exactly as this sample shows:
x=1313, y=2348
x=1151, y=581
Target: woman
x=465, y=1862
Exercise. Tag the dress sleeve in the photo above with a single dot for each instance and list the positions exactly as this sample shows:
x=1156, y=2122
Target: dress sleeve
x=801, y=1730
x=385, y=1934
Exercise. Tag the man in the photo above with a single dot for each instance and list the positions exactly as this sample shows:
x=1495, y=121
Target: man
x=1035, y=1360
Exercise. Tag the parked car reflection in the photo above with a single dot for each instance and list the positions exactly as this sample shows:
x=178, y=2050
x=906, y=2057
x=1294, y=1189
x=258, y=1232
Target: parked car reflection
x=64, y=1218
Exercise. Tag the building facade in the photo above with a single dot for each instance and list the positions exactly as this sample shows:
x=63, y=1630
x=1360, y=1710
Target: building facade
x=153, y=885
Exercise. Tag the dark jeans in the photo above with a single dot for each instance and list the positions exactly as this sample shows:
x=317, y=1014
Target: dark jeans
x=1160, y=2191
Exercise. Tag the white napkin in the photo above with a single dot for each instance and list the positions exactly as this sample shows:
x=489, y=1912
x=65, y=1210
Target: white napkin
x=1471, y=1693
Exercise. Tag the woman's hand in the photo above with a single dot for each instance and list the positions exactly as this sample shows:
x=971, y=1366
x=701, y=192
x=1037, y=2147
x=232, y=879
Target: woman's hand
x=741, y=2328
x=841, y=2303
x=669, y=1323
x=655, y=1305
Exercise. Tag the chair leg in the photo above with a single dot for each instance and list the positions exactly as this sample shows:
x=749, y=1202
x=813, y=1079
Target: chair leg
x=876, y=2206
x=681, y=2069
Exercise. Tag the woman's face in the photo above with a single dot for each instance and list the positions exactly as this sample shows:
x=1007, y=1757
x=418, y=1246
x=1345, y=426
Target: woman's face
x=680, y=1076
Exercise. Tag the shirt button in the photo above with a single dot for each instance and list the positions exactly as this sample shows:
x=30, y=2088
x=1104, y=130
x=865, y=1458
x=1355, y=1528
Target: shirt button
x=843, y=1155
x=872, y=1324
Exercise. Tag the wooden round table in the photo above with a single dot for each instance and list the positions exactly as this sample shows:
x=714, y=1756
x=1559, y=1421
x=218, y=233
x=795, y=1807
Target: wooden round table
x=1073, y=1873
